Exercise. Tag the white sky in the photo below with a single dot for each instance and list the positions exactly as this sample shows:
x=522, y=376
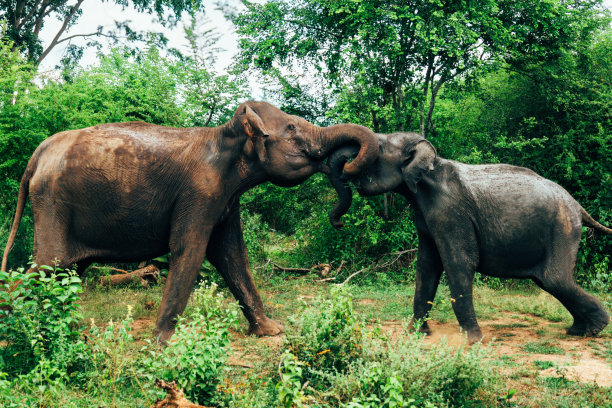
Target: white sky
x=96, y=13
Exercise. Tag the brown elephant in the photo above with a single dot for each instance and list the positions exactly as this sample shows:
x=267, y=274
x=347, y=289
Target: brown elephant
x=125, y=192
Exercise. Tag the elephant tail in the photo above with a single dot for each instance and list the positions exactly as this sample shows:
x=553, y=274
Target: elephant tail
x=21, y=202
x=588, y=220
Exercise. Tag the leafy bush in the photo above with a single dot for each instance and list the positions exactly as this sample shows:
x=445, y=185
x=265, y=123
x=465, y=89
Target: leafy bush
x=256, y=234
x=368, y=236
x=331, y=360
x=327, y=335
x=197, y=353
x=39, y=335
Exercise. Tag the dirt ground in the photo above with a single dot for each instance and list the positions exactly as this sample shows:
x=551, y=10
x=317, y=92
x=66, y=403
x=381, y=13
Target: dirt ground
x=510, y=335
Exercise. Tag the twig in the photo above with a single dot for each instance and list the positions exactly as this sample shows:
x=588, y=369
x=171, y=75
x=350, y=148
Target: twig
x=280, y=365
x=339, y=267
x=397, y=254
x=282, y=268
x=353, y=274
x=404, y=251
x=240, y=365
x=112, y=269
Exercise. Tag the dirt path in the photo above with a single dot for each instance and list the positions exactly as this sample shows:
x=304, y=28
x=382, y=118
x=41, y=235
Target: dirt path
x=533, y=343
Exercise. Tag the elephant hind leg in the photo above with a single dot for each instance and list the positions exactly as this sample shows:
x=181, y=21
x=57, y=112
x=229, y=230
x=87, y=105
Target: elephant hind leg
x=51, y=242
x=590, y=318
x=557, y=278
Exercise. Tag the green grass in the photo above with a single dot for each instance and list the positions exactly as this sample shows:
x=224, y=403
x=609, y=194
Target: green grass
x=543, y=365
x=542, y=347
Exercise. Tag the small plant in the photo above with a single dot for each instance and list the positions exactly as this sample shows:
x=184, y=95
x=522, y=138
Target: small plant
x=543, y=365
x=542, y=347
x=290, y=386
x=327, y=336
x=39, y=333
x=196, y=356
x=109, y=349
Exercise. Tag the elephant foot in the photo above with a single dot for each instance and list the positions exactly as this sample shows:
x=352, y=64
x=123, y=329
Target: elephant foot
x=163, y=336
x=591, y=328
x=474, y=336
x=420, y=325
x=265, y=327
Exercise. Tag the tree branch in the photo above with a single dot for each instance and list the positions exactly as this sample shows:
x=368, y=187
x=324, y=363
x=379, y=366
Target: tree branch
x=70, y=37
x=55, y=40
x=40, y=18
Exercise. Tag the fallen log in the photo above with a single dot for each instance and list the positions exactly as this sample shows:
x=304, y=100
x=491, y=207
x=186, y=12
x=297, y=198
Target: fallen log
x=144, y=275
x=174, y=399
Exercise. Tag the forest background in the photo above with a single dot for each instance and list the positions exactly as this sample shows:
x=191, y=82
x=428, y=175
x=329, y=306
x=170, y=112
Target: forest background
x=524, y=82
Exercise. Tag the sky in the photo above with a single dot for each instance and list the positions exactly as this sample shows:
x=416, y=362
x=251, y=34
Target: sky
x=96, y=13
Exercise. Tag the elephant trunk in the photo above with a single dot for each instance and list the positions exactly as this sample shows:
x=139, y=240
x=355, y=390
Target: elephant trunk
x=336, y=162
x=333, y=137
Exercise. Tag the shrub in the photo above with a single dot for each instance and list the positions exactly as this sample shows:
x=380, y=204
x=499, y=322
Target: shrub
x=327, y=335
x=39, y=336
x=196, y=356
x=330, y=360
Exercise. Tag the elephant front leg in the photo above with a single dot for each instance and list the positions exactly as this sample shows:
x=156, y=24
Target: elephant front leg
x=461, y=288
x=429, y=270
x=187, y=250
x=227, y=252
x=458, y=250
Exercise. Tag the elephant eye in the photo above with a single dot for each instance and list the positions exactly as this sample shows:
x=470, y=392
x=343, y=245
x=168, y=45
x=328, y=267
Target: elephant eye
x=291, y=127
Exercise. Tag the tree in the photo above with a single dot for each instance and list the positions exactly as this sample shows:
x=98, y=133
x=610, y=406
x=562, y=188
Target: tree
x=388, y=60
x=25, y=19
x=209, y=98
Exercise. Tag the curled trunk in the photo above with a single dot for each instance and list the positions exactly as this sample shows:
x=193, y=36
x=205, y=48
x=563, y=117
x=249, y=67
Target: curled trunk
x=349, y=134
x=336, y=162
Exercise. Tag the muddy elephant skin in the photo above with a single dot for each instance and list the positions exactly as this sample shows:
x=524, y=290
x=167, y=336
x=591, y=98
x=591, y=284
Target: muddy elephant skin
x=126, y=192
x=497, y=219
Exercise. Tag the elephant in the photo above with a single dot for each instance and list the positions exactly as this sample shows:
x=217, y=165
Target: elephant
x=500, y=220
x=127, y=192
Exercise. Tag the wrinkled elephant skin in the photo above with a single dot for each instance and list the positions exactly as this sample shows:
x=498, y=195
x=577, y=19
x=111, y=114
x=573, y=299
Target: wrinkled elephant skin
x=125, y=192
x=500, y=220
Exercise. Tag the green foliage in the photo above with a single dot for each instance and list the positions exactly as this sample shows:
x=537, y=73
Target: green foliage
x=289, y=387
x=364, y=368
x=329, y=337
x=109, y=348
x=196, y=356
x=386, y=61
x=39, y=334
x=256, y=235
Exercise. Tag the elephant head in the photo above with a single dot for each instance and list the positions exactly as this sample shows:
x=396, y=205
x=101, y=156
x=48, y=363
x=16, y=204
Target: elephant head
x=404, y=158
x=291, y=149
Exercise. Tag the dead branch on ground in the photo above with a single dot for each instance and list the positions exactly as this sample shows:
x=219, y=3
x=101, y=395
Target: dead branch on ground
x=144, y=275
x=174, y=399
x=379, y=265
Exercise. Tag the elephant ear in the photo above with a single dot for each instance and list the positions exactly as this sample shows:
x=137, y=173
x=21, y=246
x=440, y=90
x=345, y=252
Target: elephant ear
x=256, y=131
x=423, y=156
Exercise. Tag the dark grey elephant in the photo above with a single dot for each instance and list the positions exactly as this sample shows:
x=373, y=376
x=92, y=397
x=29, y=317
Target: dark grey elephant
x=500, y=220
x=124, y=192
